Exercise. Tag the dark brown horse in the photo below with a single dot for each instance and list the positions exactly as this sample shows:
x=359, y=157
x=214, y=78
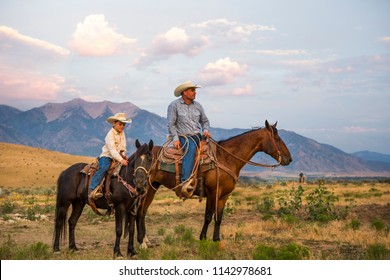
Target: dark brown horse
x=72, y=190
x=230, y=157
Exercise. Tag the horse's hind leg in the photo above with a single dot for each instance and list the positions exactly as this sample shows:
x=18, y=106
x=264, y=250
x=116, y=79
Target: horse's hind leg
x=77, y=209
x=208, y=217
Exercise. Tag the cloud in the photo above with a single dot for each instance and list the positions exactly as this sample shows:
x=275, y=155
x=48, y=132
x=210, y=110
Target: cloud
x=358, y=129
x=301, y=62
x=279, y=52
x=193, y=39
x=231, y=30
x=8, y=37
x=385, y=39
x=223, y=71
x=94, y=37
x=243, y=91
x=174, y=41
x=24, y=85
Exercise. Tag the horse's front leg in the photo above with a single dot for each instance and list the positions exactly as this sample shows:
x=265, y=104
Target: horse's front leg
x=131, y=227
x=218, y=218
x=141, y=214
x=208, y=216
x=119, y=214
x=77, y=209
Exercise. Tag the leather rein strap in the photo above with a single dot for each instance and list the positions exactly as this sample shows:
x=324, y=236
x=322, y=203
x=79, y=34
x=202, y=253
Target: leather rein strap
x=249, y=161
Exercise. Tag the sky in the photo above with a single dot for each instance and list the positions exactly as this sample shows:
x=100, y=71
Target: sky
x=319, y=68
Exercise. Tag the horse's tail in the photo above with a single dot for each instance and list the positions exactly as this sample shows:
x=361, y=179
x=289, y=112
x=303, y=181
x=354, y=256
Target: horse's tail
x=59, y=218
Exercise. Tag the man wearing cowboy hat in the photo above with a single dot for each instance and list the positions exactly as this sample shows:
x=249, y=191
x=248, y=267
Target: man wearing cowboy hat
x=113, y=149
x=186, y=121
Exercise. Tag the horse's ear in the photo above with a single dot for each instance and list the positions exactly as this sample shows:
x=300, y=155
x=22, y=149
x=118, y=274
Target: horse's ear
x=267, y=125
x=151, y=144
x=276, y=124
x=137, y=144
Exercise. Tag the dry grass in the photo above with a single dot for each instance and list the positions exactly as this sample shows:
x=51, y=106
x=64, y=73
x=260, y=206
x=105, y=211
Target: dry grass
x=23, y=166
x=174, y=226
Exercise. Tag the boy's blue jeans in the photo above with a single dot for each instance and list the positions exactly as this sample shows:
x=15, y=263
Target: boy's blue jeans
x=104, y=165
x=189, y=158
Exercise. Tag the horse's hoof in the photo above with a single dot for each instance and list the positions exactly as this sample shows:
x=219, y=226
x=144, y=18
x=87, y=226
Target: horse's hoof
x=118, y=256
x=132, y=253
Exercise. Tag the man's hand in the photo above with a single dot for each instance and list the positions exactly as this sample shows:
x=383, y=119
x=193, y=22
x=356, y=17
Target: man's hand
x=176, y=144
x=124, y=162
x=206, y=134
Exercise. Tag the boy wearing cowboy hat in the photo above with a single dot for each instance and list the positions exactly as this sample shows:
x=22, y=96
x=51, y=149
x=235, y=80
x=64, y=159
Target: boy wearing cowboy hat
x=186, y=121
x=113, y=149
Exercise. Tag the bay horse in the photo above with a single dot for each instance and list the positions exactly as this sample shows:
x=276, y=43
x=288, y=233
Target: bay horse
x=230, y=157
x=73, y=190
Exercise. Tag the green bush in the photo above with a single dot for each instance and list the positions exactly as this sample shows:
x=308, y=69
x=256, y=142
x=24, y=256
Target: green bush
x=377, y=224
x=290, y=251
x=263, y=252
x=292, y=203
x=293, y=251
x=7, y=248
x=354, y=224
x=170, y=255
x=209, y=250
x=377, y=252
x=266, y=205
x=320, y=205
x=7, y=207
x=36, y=251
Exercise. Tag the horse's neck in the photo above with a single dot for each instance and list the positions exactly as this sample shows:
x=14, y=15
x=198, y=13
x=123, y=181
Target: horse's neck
x=244, y=146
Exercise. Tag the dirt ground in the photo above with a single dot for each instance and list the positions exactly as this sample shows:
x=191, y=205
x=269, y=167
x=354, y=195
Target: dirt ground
x=242, y=229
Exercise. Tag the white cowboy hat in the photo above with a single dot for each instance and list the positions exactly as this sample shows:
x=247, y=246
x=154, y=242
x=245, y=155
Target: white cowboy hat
x=179, y=90
x=119, y=117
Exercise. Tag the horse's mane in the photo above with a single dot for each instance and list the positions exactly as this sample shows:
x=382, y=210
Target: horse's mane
x=246, y=132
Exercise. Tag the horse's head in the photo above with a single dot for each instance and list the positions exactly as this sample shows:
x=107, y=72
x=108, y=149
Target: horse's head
x=275, y=146
x=142, y=164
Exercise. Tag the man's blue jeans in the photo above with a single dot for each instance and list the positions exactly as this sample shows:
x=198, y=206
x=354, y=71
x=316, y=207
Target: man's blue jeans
x=104, y=165
x=189, y=158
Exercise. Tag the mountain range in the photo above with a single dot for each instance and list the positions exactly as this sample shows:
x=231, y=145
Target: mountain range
x=78, y=127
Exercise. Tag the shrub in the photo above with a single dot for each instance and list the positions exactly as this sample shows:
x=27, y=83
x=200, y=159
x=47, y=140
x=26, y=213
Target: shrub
x=209, y=250
x=293, y=251
x=378, y=225
x=7, y=207
x=292, y=203
x=377, y=252
x=290, y=251
x=7, y=248
x=263, y=252
x=169, y=240
x=354, y=224
x=320, y=205
x=170, y=255
x=36, y=251
x=266, y=205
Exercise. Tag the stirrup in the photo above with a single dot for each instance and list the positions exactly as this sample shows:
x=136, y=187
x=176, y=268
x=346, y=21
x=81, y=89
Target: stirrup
x=188, y=188
x=96, y=193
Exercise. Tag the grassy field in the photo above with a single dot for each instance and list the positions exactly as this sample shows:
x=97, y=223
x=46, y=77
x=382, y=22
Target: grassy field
x=322, y=219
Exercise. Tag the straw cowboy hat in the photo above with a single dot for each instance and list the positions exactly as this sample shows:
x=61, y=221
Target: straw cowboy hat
x=119, y=117
x=179, y=90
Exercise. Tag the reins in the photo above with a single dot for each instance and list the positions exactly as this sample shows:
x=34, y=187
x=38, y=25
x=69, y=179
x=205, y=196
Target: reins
x=249, y=161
